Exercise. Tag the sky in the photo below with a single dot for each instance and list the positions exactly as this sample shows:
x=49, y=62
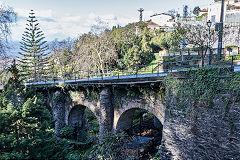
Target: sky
x=60, y=19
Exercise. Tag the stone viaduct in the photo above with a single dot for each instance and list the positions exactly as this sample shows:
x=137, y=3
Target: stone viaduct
x=113, y=110
x=189, y=130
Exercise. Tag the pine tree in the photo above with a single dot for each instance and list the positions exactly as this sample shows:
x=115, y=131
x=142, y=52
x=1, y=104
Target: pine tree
x=33, y=59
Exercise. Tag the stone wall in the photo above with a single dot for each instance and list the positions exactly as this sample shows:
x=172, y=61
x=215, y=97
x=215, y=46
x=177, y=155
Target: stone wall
x=114, y=112
x=106, y=112
x=59, y=102
x=203, y=132
x=124, y=110
x=206, y=133
x=79, y=98
x=68, y=108
x=77, y=117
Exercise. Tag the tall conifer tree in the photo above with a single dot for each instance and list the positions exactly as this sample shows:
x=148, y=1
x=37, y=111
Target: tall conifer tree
x=33, y=59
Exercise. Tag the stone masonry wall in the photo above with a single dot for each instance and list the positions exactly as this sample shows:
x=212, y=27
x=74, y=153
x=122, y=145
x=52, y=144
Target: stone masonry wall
x=207, y=133
x=123, y=110
x=106, y=112
x=59, y=103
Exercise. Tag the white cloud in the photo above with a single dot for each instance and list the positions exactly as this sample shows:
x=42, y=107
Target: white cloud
x=110, y=19
x=61, y=27
x=38, y=13
x=92, y=15
x=70, y=18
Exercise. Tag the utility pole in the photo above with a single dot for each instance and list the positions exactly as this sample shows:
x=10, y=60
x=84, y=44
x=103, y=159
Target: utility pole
x=220, y=32
x=141, y=11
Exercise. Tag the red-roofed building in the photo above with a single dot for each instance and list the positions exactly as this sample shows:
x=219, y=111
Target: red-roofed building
x=152, y=26
x=231, y=11
x=203, y=11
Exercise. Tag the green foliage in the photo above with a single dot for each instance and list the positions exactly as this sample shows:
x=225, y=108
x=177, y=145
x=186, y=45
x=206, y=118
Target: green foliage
x=111, y=148
x=93, y=124
x=196, y=10
x=201, y=87
x=92, y=93
x=234, y=86
x=140, y=53
x=25, y=126
x=202, y=16
x=12, y=90
x=66, y=132
x=133, y=49
x=162, y=40
x=232, y=46
x=62, y=59
x=171, y=58
x=169, y=40
x=230, y=58
x=119, y=47
x=177, y=35
x=158, y=155
x=33, y=48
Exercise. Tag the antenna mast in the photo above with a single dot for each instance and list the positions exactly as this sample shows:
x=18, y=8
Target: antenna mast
x=141, y=11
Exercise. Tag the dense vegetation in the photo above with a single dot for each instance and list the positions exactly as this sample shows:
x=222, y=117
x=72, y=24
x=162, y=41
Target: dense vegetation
x=126, y=46
x=202, y=86
x=118, y=47
x=26, y=127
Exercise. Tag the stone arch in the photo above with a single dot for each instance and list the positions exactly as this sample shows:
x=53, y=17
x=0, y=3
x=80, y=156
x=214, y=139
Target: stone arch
x=93, y=107
x=77, y=116
x=79, y=99
x=77, y=120
x=123, y=114
x=62, y=103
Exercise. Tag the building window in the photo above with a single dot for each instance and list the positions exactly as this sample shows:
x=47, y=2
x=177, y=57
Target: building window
x=213, y=18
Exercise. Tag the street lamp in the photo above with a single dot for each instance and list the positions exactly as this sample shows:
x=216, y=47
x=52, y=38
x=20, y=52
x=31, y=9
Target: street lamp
x=209, y=24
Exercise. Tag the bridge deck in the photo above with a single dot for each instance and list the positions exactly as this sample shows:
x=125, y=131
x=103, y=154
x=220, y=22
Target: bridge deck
x=118, y=80
x=126, y=79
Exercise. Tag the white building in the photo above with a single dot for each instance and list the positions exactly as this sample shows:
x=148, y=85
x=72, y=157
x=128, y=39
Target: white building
x=163, y=19
x=152, y=26
x=203, y=11
x=231, y=11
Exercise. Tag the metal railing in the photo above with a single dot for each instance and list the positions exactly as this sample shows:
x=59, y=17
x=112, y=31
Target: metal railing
x=154, y=69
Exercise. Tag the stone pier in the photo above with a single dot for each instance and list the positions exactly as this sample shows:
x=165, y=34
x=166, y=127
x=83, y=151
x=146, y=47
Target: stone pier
x=106, y=112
